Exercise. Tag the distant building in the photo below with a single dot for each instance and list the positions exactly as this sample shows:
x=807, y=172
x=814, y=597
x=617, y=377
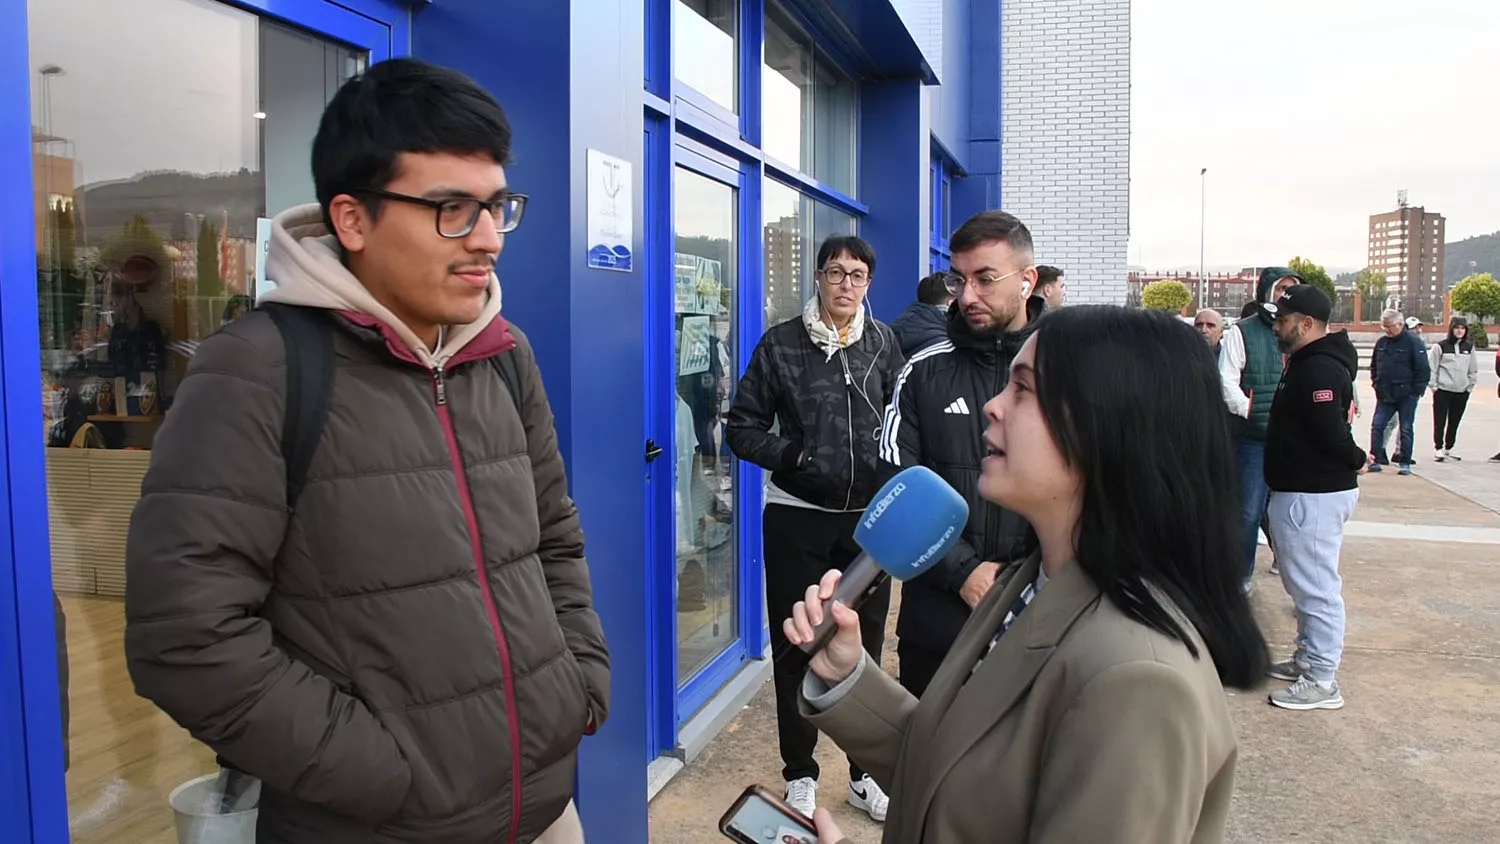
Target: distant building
x=1407, y=246
x=1224, y=292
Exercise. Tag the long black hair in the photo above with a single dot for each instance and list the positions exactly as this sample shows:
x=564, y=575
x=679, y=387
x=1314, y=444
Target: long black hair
x=1452, y=344
x=1133, y=400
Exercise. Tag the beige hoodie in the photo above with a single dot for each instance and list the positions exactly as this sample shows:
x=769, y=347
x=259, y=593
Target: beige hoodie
x=303, y=261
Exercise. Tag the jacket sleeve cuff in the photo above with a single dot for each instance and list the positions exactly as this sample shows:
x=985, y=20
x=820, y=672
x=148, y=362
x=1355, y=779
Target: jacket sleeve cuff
x=822, y=697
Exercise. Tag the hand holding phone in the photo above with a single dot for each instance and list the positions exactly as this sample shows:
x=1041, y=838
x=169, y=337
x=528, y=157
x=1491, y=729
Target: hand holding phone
x=761, y=817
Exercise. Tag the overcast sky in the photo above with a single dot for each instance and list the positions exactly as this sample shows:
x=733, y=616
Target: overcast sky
x=1309, y=116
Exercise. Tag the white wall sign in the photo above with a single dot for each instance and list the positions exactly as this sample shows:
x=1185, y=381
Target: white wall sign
x=611, y=205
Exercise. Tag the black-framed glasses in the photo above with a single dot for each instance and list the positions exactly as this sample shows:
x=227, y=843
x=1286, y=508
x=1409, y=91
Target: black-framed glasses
x=457, y=216
x=837, y=275
x=983, y=284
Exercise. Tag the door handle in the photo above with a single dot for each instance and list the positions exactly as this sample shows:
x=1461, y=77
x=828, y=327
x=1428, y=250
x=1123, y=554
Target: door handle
x=653, y=450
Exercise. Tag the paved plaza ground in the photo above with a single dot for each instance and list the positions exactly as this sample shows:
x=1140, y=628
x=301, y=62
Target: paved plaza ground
x=1414, y=755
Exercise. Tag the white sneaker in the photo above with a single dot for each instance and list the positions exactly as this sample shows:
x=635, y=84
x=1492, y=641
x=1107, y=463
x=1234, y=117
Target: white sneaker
x=1448, y=453
x=802, y=795
x=866, y=796
x=1437, y=457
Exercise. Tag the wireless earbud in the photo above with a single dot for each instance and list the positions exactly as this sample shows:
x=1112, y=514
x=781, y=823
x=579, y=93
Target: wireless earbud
x=1025, y=288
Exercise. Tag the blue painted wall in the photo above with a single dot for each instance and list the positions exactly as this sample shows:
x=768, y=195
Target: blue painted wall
x=569, y=76
x=32, y=797
x=895, y=147
x=981, y=187
x=949, y=101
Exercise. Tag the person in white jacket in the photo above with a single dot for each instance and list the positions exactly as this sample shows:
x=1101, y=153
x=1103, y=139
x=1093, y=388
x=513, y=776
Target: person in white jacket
x=1455, y=371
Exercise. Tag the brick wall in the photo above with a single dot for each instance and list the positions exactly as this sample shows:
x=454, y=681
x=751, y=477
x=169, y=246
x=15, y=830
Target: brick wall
x=1065, y=136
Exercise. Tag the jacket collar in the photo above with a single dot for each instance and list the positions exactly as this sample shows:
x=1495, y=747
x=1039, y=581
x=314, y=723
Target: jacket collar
x=304, y=260
x=1009, y=342
x=971, y=706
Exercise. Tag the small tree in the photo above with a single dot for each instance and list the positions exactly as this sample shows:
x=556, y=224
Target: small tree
x=1166, y=295
x=1315, y=275
x=1371, y=284
x=1478, y=294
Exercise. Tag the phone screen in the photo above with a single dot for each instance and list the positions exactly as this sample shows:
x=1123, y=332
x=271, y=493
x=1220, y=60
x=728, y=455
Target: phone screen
x=760, y=821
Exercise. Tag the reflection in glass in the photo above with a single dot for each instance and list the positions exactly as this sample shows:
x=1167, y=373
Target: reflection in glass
x=705, y=49
x=808, y=106
x=151, y=175
x=704, y=320
x=794, y=227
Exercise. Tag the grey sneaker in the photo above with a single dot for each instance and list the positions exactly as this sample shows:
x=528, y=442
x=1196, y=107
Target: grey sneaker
x=1289, y=670
x=1307, y=694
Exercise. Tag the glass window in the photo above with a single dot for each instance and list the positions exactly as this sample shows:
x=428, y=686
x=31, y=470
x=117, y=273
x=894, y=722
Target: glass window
x=705, y=48
x=151, y=174
x=795, y=226
x=808, y=106
x=704, y=305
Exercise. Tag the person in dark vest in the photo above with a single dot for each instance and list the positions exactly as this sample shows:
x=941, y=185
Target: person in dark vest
x=1249, y=369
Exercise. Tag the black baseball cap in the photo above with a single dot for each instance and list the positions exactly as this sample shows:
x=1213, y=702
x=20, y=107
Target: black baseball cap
x=1306, y=300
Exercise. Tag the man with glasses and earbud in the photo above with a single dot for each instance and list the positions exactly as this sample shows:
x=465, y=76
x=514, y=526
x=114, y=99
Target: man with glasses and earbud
x=934, y=420
x=809, y=410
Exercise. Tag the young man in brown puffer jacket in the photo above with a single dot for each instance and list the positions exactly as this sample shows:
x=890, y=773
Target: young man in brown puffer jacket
x=410, y=653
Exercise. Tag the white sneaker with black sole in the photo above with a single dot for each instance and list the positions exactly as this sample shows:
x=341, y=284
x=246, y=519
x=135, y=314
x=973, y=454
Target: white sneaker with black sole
x=866, y=796
x=802, y=795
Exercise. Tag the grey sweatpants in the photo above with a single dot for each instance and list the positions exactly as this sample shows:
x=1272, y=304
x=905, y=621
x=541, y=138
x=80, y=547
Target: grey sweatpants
x=1309, y=530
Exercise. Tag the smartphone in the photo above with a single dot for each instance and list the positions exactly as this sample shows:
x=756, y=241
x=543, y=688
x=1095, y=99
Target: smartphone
x=759, y=816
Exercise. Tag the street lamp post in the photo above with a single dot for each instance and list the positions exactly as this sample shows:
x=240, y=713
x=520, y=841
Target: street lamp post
x=1202, y=227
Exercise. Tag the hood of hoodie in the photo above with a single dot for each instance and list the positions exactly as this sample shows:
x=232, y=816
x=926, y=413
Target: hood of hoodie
x=1336, y=345
x=1268, y=278
x=303, y=260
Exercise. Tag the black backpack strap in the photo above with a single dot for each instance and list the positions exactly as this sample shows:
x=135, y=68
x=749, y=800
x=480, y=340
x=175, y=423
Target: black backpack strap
x=505, y=364
x=309, y=381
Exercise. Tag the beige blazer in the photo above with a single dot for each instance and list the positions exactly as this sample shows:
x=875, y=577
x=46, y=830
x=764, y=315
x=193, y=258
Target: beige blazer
x=1081, y=727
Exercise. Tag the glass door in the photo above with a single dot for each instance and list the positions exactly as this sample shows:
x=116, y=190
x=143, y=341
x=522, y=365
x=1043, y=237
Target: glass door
x=705, y=290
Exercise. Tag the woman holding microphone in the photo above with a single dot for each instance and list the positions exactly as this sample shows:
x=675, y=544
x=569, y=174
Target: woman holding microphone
x=1084, y=700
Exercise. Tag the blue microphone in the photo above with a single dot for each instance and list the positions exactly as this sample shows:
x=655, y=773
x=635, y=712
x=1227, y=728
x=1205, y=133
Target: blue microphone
x=910, y=524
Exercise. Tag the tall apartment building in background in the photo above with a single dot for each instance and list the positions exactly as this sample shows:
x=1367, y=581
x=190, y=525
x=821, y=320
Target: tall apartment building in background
x=1407, y=246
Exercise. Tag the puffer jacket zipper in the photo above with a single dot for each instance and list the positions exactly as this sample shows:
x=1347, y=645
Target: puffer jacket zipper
x=471, y=520
x=849, y=409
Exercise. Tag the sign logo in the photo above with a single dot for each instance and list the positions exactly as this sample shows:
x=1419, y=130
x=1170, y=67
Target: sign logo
x=882, y=505
x=1323, y=395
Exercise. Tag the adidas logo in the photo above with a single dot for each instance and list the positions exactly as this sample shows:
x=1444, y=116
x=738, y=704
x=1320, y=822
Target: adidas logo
x=959, y=407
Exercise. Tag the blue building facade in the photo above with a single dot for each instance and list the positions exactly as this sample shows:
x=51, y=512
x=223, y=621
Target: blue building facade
x=719, y=140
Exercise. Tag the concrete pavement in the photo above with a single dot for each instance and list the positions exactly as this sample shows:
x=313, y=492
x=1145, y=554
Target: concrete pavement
x=1413, y=755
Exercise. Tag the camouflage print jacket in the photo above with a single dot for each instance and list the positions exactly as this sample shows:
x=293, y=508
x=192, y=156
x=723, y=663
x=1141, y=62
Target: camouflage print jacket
x=814, y=421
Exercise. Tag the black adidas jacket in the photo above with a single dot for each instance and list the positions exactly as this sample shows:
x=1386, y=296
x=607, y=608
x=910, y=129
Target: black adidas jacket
x=936, y=420
x=794, y=400
x=1309, y=447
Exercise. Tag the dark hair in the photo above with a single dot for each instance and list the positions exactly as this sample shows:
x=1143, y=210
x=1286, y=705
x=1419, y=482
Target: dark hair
x=1452, y=342
x=396, y=106
x=1045, y=275
x=933, y=290
x=1133, y=400
x=838, y=244
x=988, y=227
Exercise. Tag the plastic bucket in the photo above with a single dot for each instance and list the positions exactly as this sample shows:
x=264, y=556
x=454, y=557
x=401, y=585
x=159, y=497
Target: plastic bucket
x=195, y=806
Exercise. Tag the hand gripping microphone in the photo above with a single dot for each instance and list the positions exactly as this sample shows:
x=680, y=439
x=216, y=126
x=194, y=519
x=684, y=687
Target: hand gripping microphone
x=910, y=524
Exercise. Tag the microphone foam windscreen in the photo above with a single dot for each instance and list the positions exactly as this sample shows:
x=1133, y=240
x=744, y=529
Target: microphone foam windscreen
x=912, y=522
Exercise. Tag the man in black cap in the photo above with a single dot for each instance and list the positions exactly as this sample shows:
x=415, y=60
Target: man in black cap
x=1312, y=469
